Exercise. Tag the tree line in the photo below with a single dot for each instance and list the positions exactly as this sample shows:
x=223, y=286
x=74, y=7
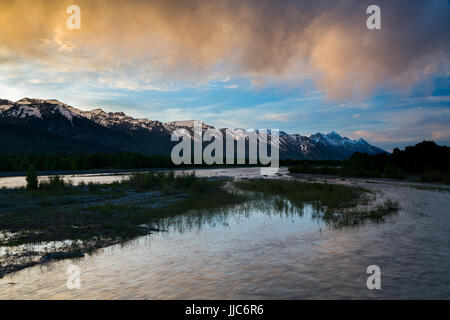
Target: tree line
x=43, y=162
x=427, y=160
x=123, y=160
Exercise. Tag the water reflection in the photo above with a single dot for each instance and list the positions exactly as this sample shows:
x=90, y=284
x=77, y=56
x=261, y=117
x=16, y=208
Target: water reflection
x=277, y=206
x=196, y=219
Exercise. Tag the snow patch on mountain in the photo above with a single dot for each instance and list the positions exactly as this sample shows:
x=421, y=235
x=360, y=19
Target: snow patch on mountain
x=65, y=112
x=25, y=111
x=40, y=107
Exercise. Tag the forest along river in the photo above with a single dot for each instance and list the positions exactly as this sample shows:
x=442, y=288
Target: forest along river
x=259, y=254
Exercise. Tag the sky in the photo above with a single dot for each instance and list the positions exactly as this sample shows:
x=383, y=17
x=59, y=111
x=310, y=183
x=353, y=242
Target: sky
x=299, y=66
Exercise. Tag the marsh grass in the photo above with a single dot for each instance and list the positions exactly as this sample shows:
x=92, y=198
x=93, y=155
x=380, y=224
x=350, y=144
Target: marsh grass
x=336, y=205
x=330, y=196
x=356, y=216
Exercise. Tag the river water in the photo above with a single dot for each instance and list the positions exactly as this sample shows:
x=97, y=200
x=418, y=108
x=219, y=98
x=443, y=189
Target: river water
x=261, y=254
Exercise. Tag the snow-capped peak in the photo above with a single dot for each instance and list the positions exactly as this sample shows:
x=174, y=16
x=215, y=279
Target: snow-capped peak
x=333, y=135
x=332, y=138
x=316, y=146
x=37, y=108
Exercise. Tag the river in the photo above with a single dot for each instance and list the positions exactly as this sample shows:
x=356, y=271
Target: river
x=264, y=255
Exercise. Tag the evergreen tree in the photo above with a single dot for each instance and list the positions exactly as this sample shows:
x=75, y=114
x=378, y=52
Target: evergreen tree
x=32, y=179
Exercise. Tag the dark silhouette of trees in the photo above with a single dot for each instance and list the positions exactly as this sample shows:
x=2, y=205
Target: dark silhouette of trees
x=427, y=159
x=44, y=162
x=32, y=179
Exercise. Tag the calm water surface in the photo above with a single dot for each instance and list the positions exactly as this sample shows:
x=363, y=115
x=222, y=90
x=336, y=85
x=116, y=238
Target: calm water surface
x=263, y=255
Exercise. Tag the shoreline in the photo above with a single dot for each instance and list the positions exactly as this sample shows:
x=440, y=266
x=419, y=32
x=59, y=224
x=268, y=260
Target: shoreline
x=12, y=174
x=404, y=182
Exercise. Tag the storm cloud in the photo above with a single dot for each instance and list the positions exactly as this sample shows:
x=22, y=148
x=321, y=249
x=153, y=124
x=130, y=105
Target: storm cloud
x=149, y=44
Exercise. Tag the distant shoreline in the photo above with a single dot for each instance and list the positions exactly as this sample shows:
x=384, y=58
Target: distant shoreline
x=7, y=174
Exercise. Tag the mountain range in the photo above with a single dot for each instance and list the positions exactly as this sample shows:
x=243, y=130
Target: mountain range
x=50, y=126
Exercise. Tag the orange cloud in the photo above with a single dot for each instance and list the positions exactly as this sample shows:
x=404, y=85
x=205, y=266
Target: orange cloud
x=265, y=41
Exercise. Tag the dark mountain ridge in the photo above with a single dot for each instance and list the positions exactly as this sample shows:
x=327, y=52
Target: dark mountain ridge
x=50, y=126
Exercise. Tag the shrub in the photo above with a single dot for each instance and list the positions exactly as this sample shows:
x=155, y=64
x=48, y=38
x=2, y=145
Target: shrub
x=32, y=179
x=167, y=182
x=93, y=186
x=54, y=183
